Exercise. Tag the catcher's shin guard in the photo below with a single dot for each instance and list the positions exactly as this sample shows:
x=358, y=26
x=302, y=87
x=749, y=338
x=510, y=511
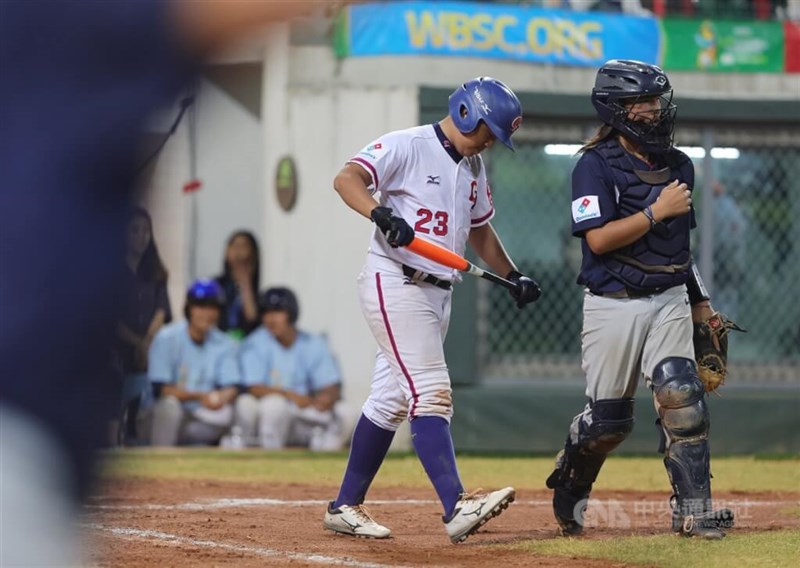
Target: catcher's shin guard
x=578, y=464
x=683, y=416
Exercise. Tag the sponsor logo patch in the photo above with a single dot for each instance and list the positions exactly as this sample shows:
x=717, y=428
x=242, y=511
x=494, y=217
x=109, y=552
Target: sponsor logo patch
x=585, y=208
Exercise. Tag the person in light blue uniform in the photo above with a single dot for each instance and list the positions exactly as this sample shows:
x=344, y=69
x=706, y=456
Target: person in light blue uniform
x=195, y=373
x=293, y=382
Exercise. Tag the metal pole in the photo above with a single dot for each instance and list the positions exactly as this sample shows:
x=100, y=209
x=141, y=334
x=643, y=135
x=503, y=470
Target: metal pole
x=706, y=221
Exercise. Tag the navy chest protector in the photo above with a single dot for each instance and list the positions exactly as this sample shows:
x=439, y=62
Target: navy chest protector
x=661, y=258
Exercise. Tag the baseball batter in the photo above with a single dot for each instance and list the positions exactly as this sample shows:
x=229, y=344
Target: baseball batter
x=432, y=183
x=632, y=206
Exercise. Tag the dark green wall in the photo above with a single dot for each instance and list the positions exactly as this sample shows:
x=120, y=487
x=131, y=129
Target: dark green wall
x=530, y=418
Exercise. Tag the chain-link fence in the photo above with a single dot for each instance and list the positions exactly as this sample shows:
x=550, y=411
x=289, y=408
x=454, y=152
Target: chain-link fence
x=747, y=245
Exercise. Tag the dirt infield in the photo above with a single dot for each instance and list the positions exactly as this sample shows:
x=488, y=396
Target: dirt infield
x=192, y=523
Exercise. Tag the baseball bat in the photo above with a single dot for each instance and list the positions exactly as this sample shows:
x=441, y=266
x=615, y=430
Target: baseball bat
x=446, y=257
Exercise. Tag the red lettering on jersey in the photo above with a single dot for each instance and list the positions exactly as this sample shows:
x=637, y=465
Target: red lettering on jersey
x=473, y=194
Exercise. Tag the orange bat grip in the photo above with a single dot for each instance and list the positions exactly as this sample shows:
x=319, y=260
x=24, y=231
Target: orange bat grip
x=438, y=254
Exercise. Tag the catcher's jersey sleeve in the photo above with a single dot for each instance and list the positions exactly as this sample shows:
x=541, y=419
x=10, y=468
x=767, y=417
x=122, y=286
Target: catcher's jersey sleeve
x=594, y=200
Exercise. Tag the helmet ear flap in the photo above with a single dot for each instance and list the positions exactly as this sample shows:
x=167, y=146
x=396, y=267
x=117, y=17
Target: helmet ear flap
x=463, y=111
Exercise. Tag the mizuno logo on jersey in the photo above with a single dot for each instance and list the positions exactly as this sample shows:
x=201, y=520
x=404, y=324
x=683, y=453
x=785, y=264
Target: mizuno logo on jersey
x=433, y=180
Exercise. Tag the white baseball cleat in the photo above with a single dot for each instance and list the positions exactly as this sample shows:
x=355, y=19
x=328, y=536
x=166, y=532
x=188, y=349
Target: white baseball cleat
x=474, y=510
x=353, y=520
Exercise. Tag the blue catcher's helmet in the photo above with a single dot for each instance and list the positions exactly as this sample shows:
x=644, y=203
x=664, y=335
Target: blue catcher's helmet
x=280, y=299
x=624, y=81
x=488, y=100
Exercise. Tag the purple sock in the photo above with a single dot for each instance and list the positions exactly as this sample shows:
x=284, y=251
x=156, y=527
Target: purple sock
x=434, y=445
x=367, y=450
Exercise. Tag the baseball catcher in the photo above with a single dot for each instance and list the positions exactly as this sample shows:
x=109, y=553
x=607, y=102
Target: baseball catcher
x=646, y=311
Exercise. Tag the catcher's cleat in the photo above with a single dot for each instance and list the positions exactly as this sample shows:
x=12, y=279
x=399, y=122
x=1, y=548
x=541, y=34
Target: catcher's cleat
x=569, y=498
x=474, y=510
x=569, y=510
x=355, y=521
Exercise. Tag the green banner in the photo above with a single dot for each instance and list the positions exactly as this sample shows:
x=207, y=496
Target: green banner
x=707, y=45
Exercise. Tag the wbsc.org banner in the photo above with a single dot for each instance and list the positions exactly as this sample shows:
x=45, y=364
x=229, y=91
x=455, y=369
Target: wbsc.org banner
x=497, y=31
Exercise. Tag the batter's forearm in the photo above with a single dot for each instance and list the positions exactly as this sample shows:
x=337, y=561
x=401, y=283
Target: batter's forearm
x=488, y=246
x=354, y=192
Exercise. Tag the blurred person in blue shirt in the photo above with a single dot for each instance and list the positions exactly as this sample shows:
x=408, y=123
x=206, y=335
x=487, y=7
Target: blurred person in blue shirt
x=292, y=380
x=194, y=368
x=78, y=80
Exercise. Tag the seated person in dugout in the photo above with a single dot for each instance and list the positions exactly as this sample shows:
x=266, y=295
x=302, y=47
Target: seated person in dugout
x=195, y=374
x=292, y=380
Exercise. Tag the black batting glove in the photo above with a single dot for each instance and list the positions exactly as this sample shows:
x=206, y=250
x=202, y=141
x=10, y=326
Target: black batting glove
x=527, y=290
x=398, y=233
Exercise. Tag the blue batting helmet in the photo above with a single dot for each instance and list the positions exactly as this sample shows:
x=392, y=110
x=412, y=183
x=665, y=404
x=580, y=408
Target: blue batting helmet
x=204, y=293
x=488, y=100
x=280, y=299
x=623, y=81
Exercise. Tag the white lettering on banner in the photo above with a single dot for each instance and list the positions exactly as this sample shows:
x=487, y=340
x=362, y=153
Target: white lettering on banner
x=586, y=207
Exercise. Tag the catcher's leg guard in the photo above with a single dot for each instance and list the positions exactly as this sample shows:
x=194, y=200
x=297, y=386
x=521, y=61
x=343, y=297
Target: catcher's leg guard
x=606, y=424
x=683, y=416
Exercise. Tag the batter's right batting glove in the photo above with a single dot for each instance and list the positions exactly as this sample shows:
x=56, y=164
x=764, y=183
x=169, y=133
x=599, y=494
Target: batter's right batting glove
x=527, y=290
x=398, y=233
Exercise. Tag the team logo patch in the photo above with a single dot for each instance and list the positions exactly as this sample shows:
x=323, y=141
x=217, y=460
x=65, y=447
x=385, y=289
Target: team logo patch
x=585, y=208
x=515, y=124
x=661, y=80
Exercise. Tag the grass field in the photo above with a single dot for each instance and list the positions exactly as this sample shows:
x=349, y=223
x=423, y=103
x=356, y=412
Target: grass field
x=404, y=470
x=776, y=481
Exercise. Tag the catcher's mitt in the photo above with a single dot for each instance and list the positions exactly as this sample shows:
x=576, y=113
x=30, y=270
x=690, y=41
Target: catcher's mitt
x=711, y=349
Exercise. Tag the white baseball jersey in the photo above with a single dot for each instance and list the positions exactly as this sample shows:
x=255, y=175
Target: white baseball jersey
x=442, y=195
